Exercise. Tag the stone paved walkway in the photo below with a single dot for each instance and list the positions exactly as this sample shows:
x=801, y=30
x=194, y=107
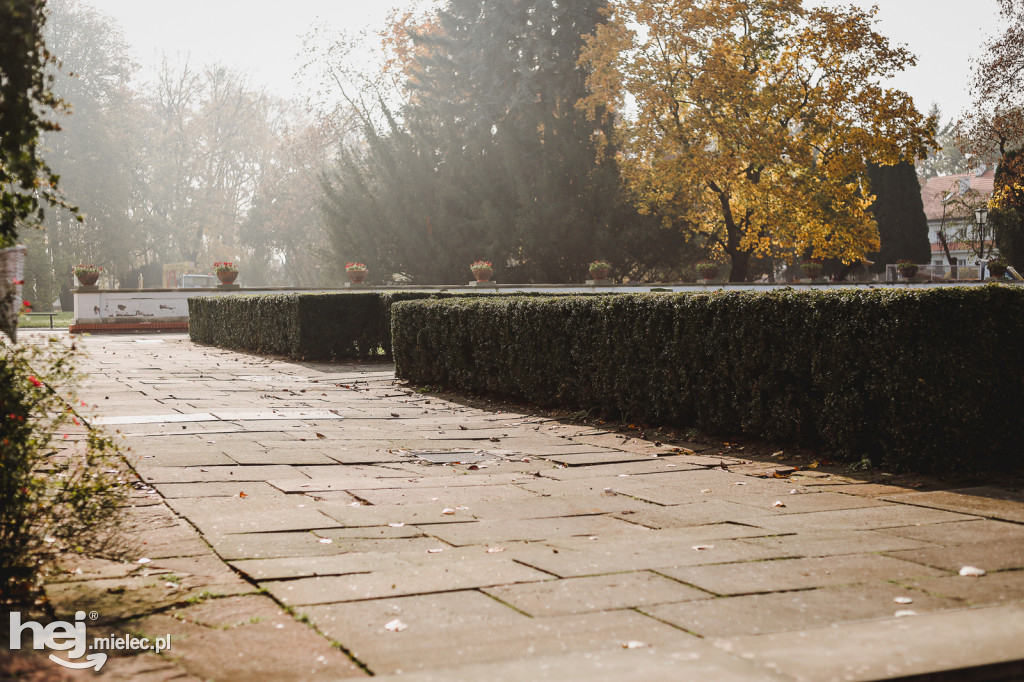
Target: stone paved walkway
x=315, y=521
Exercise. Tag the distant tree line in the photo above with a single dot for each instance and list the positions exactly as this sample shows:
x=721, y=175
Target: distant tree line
x=542, y=134
x=195, y=165
x=537, y=134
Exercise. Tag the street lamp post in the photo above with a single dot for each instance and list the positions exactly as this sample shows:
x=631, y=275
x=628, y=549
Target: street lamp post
x=981, y=219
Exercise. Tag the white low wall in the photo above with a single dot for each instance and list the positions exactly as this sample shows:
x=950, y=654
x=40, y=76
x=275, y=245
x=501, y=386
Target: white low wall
x=105, y=306
x=102, y=306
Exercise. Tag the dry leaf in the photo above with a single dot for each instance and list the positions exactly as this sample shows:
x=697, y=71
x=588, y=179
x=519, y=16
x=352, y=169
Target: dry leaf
x=700, y=548
x=320, y=435
x=971, y=572
x=447, y=511
x=634, y=644
x=437, y=550
x=242, y=495
x=905, y=612
x=706, y=490
x=396, y=525
x=326, y=541
x=395, y=626
x=495, y=550
x=778, y=503
x=903, y=600
x=144, y=560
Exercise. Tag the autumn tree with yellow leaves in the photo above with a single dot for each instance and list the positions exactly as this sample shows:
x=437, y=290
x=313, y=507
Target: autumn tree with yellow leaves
x=753, y=121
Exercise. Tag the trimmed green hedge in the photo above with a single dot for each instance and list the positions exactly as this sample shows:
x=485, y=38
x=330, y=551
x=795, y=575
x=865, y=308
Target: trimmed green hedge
x=299, y=326
x=914, y=379
x=329, y=326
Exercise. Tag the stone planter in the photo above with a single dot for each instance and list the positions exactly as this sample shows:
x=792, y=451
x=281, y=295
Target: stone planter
x=483, y=274
x=88, y=279
x=600, y=274
x=907, y=271
x=227, y=276
x=357, y=276
x=997, y=271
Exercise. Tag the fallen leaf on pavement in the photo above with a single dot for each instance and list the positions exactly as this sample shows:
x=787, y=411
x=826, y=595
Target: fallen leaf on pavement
x=395, y=626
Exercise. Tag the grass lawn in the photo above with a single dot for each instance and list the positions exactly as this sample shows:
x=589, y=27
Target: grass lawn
x=42, y=321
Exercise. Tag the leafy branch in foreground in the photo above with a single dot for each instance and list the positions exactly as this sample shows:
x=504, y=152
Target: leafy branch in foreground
x=62, y=482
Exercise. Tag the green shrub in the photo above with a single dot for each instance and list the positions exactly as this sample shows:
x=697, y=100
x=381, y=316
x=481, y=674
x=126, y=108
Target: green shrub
x=328, y=326
x=56, y=495
x=927, y=380
x=299, y=326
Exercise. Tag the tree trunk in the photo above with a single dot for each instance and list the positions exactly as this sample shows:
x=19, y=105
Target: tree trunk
x=740, y=266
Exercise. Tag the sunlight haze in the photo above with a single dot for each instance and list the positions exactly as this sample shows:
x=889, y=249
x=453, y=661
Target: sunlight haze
x=264, y=39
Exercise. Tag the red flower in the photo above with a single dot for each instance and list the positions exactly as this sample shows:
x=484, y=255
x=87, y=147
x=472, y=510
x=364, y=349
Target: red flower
x=35, y=382
x=19, y=282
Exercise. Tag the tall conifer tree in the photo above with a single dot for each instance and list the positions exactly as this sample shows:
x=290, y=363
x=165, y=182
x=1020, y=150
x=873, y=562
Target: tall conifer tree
x=899, y=211
x=492, y=159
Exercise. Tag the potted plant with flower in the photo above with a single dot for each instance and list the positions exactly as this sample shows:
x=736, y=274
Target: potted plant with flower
x=707, y=271
x=87, y=274
x=907, y=269
x=997, y=267
x=599, y=270
x=356, y=272
x=227, y=273
x=482, y=270
x=812, y=269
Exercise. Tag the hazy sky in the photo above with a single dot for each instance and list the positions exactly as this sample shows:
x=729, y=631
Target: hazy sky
x=263, y=38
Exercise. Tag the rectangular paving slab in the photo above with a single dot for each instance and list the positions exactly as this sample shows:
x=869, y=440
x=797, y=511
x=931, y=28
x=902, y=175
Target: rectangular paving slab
x=394, y=582
x=611, y=556
x=871, y=518
x=597, y=593
x=791, y=611
x=819, y=543
x=480, y=637
x=798, y=574
x=988, y=556
x=892, y=647
x=988, y=501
